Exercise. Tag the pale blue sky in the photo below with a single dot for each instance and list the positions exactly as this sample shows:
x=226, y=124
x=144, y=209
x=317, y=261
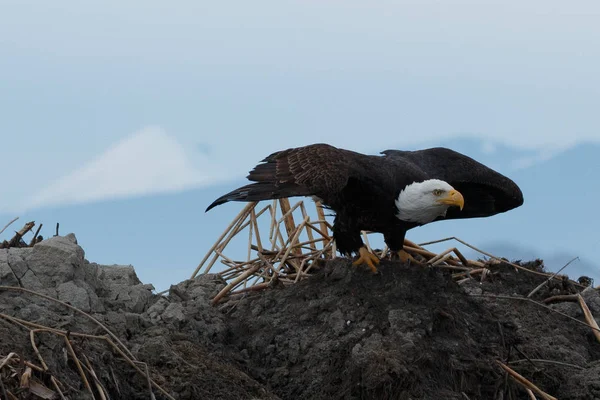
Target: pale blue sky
x=120, y=99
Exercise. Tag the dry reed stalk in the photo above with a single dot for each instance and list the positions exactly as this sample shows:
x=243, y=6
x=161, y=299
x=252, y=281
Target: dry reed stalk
x=287, y=216
x=294, y=239
x=550, y=278
x=589, y=317
x=309, y=232
x=525, y=382
x=256, y=230
x=9, y=224
x=229, y=286
x=101, y=390
x=562, y=297
x=321, y=216
x=77, y=310
x=225, y=232
x=131, y=361
x=519, y=267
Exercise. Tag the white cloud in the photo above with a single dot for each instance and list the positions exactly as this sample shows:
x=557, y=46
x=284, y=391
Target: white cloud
x=149, y=161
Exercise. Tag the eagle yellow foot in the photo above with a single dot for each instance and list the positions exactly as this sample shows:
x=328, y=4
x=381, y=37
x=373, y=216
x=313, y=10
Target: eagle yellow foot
x=366, y=257
x=405, y=258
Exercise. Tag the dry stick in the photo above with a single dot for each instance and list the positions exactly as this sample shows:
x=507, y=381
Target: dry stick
x=273, y=223
x=44, y=366
x=244, y=210
x=19, y=289
x=534, y=291
x=321, y=215
x=253, y=288
x=77, y=363
x=308, y=231
x=287, y=214
x=132, y=363
x=19, y=235
x=294, y=239
x=314, y=228
x=35, y=235
x=69, y=348
x=366, y=240
x=530, y=393
x=288, y=218
x=152, y=397
x=9, y=224
x=104, y=338
x=536, y=303
x=488, y=254
x=88, y=366
x=250, y=231
x=225, y=242
x=559, y=298
x=230, y=285
x=589, y=317
x=270, y=265
x=7, y=359
x=256, y=230
x=442, y=259
x=525, y=382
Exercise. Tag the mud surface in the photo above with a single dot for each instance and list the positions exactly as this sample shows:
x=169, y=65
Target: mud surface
x=408, y=333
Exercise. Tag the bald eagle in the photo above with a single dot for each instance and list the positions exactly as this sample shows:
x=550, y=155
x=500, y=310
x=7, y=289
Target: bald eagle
x=389, y=193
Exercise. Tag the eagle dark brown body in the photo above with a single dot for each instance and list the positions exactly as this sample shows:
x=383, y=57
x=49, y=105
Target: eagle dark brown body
x=362, y=189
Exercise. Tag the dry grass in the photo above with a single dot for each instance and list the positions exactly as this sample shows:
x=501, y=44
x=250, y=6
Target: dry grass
x=20, y=376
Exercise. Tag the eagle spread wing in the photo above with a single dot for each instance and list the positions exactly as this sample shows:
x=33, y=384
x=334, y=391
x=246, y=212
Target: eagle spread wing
x=313, y=170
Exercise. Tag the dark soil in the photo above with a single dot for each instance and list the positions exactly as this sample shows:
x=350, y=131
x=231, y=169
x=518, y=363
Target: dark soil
x=410, y=333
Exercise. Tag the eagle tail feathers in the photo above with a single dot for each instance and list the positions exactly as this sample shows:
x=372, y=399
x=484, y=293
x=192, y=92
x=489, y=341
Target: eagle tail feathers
x=257, y=192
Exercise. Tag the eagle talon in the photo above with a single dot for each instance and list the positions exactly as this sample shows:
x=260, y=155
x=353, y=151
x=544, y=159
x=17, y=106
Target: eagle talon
x=404, y=257
x=366, y=257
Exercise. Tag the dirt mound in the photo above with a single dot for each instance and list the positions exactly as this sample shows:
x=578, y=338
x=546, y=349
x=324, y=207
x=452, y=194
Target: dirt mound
x=410, y=332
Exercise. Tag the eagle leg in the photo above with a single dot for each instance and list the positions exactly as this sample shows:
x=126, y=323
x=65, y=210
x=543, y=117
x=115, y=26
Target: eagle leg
x=366, y=257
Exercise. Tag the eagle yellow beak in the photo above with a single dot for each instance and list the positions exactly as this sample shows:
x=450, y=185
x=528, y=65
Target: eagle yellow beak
x=453, y=198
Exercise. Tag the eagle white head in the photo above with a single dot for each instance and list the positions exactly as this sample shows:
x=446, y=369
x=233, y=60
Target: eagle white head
x=423, y=202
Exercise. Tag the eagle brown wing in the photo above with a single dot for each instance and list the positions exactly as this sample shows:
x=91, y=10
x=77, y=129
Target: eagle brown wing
x=313, y=170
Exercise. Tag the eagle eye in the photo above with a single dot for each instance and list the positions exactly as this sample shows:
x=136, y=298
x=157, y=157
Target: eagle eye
x=438, y=192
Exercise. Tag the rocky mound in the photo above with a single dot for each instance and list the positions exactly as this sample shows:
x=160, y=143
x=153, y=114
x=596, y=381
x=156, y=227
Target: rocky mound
x=408, y=333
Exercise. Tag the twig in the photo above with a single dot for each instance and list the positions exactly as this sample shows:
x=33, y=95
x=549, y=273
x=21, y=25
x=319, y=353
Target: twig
x=589, y=317
x=242, y=214
x=560, y=297
x=35, y=236
x=525, y=382
x=491, y=256
x=530, y=393
x=14, y=242
x=551, y=277
x=536, y=303
x=88, y=366
x=9, y=224
x=152, y=397
x=77, y=310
